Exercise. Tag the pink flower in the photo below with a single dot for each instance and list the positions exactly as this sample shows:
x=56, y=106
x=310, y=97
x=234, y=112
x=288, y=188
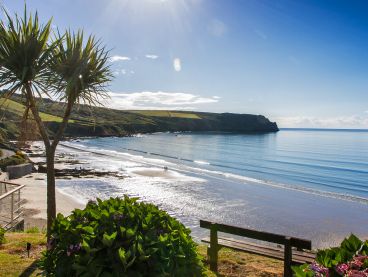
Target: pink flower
x=357, y=273
x=319, y=269
x=342, y=268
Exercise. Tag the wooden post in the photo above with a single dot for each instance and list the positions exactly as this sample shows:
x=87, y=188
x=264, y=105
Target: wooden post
x=213, y=248
x=11, y=208
x=287, y=257
x=18, y=200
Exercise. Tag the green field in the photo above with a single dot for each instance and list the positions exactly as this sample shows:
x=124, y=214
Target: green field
x=17, y=108
x=162, y=113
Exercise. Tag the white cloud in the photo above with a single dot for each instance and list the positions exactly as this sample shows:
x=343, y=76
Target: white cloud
x=153, y=57
x=217, y=28
x=158, y=100
x=117, y=58
x=177, y=64
x=353, y=121
x=123, y=71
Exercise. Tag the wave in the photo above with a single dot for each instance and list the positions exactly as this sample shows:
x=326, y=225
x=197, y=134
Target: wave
x=211, y=173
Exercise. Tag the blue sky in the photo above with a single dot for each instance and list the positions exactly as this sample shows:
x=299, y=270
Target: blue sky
x=300, y=63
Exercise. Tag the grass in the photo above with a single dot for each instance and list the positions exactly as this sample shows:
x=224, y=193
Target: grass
x=19, y=108
x=168, y=114
x=14, y=260
x=13, y=255
x=235, y=263
x=12, y=160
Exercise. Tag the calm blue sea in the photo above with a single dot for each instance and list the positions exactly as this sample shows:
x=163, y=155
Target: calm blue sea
x=306, y=183
x=322, y=160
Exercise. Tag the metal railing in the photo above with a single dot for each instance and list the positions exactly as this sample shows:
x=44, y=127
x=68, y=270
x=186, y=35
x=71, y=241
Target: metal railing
x=11, y=205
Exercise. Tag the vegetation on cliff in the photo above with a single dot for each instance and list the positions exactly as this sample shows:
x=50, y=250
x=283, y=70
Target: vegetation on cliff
x=100, y=121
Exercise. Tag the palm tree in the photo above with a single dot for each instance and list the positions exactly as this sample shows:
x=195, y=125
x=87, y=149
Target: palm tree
x=81, y=74
x=66, y=68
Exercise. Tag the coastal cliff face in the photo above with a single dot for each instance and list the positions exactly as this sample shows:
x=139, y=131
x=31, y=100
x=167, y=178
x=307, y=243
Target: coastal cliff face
x=87, y=121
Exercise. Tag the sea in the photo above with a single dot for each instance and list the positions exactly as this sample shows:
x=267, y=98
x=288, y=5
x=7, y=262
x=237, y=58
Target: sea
x=309, y=183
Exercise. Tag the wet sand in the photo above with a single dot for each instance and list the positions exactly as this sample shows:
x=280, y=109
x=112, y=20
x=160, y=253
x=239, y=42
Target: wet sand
x=34, y=193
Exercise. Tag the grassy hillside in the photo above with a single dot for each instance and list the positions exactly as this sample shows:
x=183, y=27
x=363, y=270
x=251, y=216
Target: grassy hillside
x=159, y=113
x=18, y=109
x=99, y=121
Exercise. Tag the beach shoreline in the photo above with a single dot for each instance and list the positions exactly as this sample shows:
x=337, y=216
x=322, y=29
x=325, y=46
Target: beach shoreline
x=35, y=195
x=190, y=196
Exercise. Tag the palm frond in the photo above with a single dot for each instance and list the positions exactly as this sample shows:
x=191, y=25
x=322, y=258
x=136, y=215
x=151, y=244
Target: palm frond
x=25, y=51
x=82, y=69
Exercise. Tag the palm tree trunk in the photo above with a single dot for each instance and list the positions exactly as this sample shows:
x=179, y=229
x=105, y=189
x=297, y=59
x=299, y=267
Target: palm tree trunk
x=51, y=199
x=50, y=161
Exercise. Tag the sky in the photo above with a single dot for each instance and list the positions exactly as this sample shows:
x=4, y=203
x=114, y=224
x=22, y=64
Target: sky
x=301, y=63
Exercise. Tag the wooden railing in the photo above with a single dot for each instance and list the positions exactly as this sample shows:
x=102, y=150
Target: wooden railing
x=11, y=209
x=286, y=253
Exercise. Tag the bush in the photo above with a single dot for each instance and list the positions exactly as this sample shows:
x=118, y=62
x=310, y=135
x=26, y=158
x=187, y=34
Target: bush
x=32, y=230
x=12, y=160
x=120, y=237
x=350, y=259
x=2, y=236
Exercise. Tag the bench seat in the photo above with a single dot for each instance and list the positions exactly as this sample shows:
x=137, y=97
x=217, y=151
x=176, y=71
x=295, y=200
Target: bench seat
x=298, y=257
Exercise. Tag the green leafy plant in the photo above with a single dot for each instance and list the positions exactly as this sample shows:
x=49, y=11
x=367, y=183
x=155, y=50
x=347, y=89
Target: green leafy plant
x=33, y=230
x=2, y=236
x=120, y=237
x=69, y=67
x=350, y=259
x=12, y=160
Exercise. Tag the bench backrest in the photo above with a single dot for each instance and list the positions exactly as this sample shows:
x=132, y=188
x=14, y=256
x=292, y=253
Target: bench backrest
x=259, y=235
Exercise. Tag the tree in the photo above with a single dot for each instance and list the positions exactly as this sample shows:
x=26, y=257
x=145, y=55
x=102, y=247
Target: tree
x=66, y=68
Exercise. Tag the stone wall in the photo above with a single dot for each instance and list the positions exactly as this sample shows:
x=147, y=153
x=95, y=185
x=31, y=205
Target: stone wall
x=17, y=171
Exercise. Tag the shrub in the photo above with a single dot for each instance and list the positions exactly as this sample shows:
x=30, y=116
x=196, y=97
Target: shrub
x=120, y=237
x=20, y=154
x=12, y=160
x=350, y=259
x=32, y=230
x=2, y=236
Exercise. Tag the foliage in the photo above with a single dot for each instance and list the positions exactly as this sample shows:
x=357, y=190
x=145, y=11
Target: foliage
x=32, y=230
x=350, y=259
x=67, y=67
x=13, y=258
x=2, y=236
x=120, y=237
x=18, y=109
x=25, y=51
x=12, y=160
x=163, y=113
x=81, y=69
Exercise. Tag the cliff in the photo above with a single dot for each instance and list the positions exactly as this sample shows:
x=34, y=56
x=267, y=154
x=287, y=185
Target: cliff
x=97, y=121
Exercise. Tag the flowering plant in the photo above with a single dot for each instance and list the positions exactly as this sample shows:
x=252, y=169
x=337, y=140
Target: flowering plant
x=120, y=237
x=348, y=260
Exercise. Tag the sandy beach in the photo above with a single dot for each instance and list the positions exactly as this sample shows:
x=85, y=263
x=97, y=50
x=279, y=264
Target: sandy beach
x=189, y=194
x=35, y=190
x=34, y=193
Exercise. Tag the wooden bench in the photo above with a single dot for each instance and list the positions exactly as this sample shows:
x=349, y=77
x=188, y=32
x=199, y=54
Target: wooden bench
x=283, y=251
